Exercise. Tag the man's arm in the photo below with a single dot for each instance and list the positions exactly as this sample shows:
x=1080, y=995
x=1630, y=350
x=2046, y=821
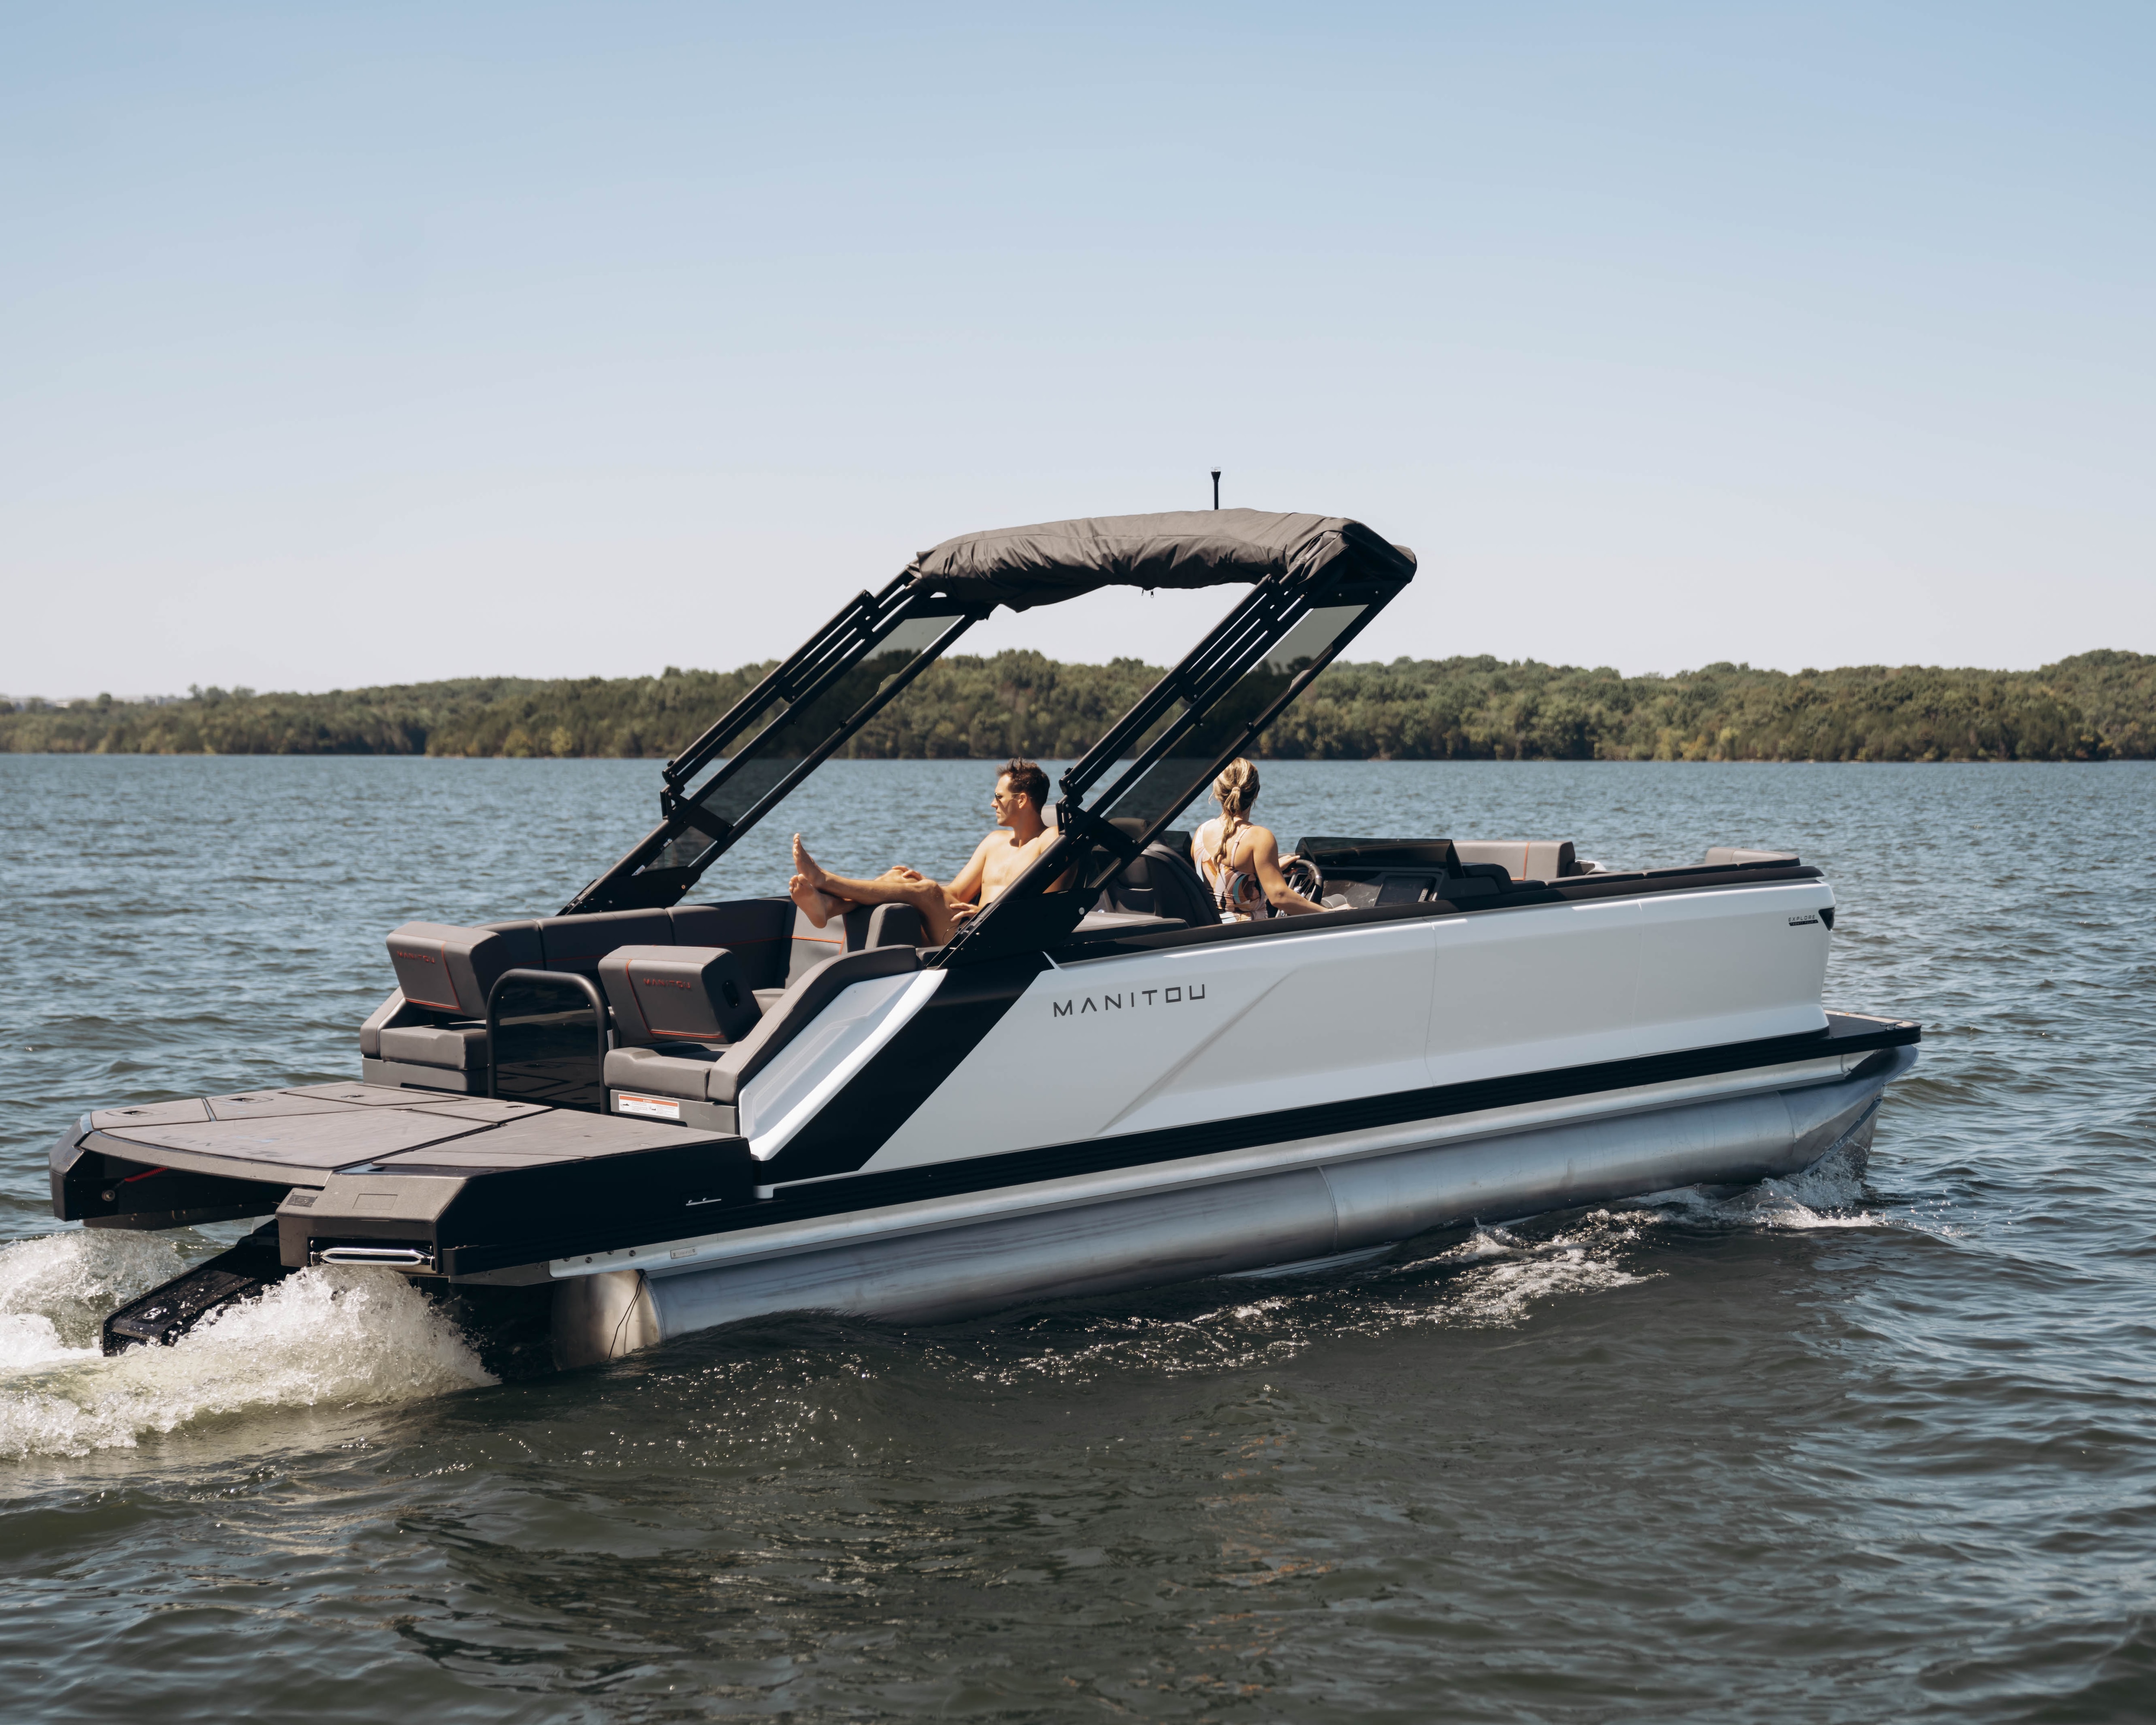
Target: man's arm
x=966, y=889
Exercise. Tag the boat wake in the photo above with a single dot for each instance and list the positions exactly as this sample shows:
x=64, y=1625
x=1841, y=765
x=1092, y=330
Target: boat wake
x=341, y=1337
x=1499, y=1276
x=1496, y=1276
x=1830, y=1193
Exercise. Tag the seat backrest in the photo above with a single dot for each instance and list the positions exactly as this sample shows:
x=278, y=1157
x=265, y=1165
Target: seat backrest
x=756, y=931
x=795, y=1010
x=894, y=926
x=812, y=946
x=1178, y=888
x=677, y=993
x=1160, y=882
x=856, y=931
x=1724, y=854
x=1523, y=859
x=1176, y=838
x=1130, y=888
x=449, y=969
x=578, y=943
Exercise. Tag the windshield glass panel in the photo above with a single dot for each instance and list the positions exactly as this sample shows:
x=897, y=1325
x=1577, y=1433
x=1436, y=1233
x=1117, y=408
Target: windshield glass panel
x=759, y=766
x=1172, y=782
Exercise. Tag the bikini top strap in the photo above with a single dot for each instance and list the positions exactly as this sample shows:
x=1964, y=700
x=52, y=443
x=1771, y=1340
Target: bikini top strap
x=1225, y=875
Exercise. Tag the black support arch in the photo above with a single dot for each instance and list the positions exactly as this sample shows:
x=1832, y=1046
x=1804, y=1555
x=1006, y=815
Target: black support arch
x=775, y=736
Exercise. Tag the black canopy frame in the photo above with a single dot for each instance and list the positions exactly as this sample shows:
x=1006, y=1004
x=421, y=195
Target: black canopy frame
x=693, y=833
x=1317, y=582
x=1097, y=841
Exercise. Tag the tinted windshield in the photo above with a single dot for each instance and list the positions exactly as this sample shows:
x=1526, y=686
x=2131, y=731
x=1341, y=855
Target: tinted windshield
x=749, y=780
x=1173, y=781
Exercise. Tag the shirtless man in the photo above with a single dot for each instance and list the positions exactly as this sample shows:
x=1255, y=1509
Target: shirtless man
x=1021, y=792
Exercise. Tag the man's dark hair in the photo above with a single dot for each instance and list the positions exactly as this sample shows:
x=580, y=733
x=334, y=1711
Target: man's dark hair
x=1026, y=776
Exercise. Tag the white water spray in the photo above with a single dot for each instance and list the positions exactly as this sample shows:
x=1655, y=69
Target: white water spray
x=340, y=1337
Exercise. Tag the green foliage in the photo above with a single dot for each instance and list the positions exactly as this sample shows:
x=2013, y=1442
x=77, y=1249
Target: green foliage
x=399, y=720
x=2086, y=708
x=2092, y=706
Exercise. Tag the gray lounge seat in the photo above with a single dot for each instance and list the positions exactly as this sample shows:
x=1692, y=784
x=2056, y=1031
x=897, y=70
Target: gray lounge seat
x=459, y=1048
x=666, y=995
x=1523, y=859
x=434, y=1038
x=430, y=1034
x=856, y=931
x=715, y=1073
x=450, y=969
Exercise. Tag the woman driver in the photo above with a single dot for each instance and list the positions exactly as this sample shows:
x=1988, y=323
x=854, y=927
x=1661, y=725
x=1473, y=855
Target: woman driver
x=1239, y=860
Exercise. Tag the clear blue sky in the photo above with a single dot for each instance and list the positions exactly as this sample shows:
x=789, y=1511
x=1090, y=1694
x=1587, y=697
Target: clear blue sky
x=370, y=344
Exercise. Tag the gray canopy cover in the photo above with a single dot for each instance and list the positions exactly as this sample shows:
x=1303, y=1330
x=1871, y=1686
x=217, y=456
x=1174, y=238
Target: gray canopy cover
x=1023, y=567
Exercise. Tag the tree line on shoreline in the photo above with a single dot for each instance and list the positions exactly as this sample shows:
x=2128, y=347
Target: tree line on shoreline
x=2093, y=707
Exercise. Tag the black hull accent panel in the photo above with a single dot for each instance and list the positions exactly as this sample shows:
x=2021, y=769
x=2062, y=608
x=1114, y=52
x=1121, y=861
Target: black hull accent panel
x=906, y=1071
x=143, y=1194
x=511, y=1217
x=471, y=1217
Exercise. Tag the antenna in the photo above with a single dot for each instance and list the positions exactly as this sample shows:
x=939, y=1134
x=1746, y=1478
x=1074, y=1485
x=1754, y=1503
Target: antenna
x=1216, y=488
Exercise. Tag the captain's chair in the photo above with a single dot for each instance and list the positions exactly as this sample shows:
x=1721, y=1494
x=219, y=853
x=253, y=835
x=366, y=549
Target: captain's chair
x=1160, y=882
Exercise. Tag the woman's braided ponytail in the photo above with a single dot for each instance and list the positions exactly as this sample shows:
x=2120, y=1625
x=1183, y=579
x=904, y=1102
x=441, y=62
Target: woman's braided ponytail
x=1237, y=789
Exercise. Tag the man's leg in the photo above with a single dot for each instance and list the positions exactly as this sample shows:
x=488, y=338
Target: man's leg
x=824, y=896
x=819, y=906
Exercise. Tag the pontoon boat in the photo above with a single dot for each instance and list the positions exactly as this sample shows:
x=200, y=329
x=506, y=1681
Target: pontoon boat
x=645, y=1117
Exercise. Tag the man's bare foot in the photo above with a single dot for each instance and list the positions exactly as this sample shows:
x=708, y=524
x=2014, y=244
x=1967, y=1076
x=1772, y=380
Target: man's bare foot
x=818, y=906
x=805, y=866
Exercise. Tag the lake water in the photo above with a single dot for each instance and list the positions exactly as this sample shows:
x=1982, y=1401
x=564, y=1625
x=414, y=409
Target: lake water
x=1841, y=1450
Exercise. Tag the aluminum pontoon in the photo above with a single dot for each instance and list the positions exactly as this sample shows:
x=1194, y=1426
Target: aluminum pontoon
x=645, y=1117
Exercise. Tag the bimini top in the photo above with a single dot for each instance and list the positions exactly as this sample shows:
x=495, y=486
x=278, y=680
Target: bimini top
x=1052, y=560
x=1314, y=581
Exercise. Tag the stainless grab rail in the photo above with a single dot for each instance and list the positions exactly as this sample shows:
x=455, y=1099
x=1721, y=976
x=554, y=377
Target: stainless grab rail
x=393, y=1257
x=552, y=979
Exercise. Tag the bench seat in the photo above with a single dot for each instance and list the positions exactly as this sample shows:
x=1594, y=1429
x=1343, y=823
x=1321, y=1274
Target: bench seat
x=460, y=1047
